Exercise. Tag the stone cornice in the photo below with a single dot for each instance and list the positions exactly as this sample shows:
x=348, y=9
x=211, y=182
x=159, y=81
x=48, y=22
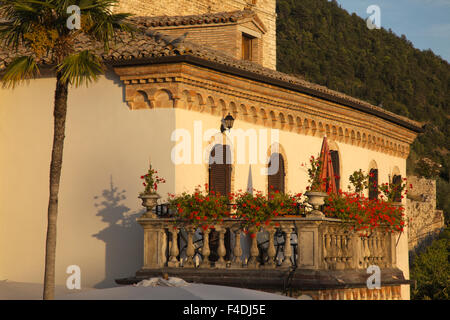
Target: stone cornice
x=204, y=90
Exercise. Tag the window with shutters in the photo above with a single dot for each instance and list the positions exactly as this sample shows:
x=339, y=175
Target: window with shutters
x=220, y=169
x=373, y=184
x=277, y=180
x=336, y=167
x=247, y=47
x=396, y=183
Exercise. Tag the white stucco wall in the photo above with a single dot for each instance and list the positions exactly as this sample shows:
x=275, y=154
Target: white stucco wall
x=107, y=143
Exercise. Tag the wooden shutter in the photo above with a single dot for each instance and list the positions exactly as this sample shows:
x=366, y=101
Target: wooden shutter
x=220, y=172
x=246, y=47
x=336, y=167
x=373, y=184
x=277, y=180
x=396, y=183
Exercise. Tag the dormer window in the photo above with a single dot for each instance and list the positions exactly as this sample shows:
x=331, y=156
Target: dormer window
x=247, y=47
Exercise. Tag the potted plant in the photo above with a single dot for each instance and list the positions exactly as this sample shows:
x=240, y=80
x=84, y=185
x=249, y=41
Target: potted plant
x=149, y=196
x=316, y=195
x=202, y=209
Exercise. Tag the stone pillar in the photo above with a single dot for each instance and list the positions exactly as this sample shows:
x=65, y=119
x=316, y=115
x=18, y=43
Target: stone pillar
x=309, y=245
x=155, y=243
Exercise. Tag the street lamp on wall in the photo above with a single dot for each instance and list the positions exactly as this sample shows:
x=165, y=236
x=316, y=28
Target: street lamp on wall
x=227, y=123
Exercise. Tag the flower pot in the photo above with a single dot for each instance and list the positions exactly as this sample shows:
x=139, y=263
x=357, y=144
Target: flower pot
x=149, y=201
x=316, y=199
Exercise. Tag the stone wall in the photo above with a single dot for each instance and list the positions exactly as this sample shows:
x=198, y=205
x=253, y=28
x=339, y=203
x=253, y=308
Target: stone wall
x=265, y=9
x=425, y=221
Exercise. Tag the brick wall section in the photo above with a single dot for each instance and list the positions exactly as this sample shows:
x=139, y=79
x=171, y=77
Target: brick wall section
x=218, y=37
x=265, y=9
x=425, y=220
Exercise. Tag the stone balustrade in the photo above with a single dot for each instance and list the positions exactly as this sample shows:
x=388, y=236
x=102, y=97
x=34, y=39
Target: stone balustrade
x=298, y=243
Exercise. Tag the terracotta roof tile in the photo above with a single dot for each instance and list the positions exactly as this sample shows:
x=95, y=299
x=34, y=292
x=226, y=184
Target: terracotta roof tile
x=207, y=18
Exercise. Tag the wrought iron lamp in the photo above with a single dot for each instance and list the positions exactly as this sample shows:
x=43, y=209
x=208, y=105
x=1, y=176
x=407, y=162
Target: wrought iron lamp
x=227, y=123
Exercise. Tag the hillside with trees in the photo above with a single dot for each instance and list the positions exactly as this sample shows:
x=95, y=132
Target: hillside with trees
x=323, y=43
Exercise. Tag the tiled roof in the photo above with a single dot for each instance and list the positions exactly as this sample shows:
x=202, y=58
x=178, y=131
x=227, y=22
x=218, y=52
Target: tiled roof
x=153, y=44
x=200, y=19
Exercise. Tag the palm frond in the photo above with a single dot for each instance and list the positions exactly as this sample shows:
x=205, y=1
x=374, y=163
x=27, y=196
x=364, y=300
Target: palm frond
x=19, y=70
x=80, y=68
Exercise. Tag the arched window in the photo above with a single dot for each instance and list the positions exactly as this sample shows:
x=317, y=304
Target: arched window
x=373, y=184
x=336, y=167
x=396, y=184
x=276, y=179
x=220, y=169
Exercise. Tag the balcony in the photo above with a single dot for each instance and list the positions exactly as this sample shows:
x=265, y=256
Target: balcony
x=304, y=255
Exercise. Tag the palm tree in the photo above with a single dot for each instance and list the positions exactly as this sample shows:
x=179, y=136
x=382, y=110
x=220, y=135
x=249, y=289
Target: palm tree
x=40, y=28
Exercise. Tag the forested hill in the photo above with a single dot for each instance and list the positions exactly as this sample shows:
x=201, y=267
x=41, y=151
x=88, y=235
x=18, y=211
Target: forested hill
x=324, y=44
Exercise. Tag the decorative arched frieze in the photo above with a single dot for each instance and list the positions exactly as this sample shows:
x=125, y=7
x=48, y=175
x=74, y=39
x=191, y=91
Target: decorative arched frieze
x=142, y=96
x=281, y=120
x=242, y=112
x=262, y=117
x=254, y=114
x=306, y=126
x=313, y=128
x=298, y=125
x=222, y=108
x=210, y=106
x=272, y=119
x=290, y=122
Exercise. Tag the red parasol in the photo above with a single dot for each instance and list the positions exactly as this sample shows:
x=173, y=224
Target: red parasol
x=327, y=173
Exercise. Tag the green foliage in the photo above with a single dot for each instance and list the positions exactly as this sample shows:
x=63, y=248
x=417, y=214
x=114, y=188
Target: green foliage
x=431, y=270
x=324, y=44
x=83, y=67
x=40, y=26
x=20, y=69
x=359, y=180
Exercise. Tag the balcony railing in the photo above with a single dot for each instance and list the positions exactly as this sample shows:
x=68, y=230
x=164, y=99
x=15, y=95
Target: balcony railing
x=318, y=255
x=300, y=243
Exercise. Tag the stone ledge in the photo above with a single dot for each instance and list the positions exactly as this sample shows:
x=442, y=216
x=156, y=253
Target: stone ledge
x=273, y=279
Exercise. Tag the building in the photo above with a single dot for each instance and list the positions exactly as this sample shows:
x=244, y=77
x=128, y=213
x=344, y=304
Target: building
x=163, y=97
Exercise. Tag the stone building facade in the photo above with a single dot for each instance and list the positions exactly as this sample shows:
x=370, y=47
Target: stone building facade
x=265, y=9
x=159, y=91
x=425, y=220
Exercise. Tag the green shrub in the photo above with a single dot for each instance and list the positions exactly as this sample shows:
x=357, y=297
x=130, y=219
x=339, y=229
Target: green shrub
x=431, y=270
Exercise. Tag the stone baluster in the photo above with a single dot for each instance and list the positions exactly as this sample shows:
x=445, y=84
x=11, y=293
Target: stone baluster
x=287, y=247
x=366, y=252
x=383, y=251
x=325, y=248
x=372, y=250
x=174, y=251
x=237, y=251
x=221, y=251
x=378, y=250
x=190, y=251
x=254, y=253
x=340, y=260
x=271, y=250
x=349, y=245
x=205, y=250
x=333, y=251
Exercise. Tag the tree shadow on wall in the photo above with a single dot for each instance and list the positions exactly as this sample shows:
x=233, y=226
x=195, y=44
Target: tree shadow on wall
x=123, y=236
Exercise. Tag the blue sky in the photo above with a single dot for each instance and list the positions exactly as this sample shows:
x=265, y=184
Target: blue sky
x=426, y=23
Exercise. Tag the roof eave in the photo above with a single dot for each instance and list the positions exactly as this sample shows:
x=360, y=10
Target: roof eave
x=268, y=80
